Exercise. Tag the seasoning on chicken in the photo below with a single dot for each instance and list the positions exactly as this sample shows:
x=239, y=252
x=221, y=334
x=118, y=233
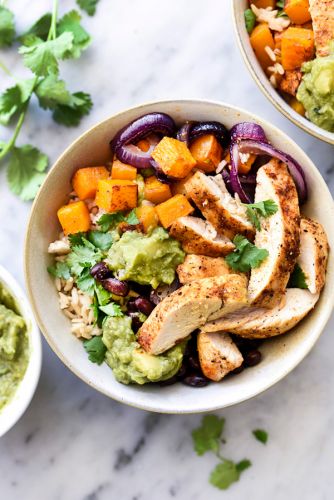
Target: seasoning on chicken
x=218, y=355
x=197, y=267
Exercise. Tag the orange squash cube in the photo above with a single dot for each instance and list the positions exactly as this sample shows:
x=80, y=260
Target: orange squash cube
x=173, y=157
x=179, y=186
x=207, y=152
x=148, y=217
x=114, y=195
x=298, y=11
x=156, y=191
x=123, y=171
x=85, y=181
x=261, y=38
x=74, y=218
x=297, y=47
x=172, y=209
x=263, y=4
x=144, y=145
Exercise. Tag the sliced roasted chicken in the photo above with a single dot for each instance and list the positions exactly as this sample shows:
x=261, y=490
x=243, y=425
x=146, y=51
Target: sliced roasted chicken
x=226, y=214
x=189, y=308
x=197, y=267
x=271, y=322
x=218, y=355
x=235, y=319
x=279, y=234
x=313, y=254
x=200, y=237
x=322, y=13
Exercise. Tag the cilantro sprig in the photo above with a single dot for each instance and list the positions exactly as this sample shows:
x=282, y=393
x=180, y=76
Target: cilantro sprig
x=108, y=222
x=297, y=278
x=264, y=209
x=208, y=437
x=245, y=256
x=96, y=350
x=44, y=45
x=261, y=435
x=250, y=20
x=89, y=6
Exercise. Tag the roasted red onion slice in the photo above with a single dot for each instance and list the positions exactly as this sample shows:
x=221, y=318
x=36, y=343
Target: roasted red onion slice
x=248, y=130
x=183, y=133
x=123, y=142
x=263, y=148
x=217, y=129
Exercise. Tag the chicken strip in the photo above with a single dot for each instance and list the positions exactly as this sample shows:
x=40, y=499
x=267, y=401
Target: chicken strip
x=280, y=319
x=218, y=355
x=279, y=234
x=189, y=308
x=233, y=320
x=200, y=237
x=313, y=254
x=226, y=214
x=322, y=13
x=197, y=267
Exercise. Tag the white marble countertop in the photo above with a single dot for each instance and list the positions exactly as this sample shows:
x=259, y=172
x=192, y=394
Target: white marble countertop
x=75, y=444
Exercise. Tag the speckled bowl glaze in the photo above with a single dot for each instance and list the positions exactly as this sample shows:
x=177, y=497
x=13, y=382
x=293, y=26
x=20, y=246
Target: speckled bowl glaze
x=280, y=355
x=238, y=9
x=14, y=410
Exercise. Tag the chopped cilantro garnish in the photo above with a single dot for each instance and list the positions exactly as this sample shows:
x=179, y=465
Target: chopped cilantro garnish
x=261, y=435
x=261, y=209
x=96, y=350
x=245, y=256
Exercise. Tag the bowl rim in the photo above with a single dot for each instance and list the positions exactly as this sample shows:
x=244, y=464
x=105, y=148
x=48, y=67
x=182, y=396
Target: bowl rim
x=264, y=85
x=22, y=399
x=156, y=408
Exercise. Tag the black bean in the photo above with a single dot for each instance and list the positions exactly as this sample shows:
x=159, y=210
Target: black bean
x=253, y=358
x=131, y=306
x=246, y=345
x=143, y=290
x=195, y=381
x=238, y=370
x=170, y=381
x=193, y=361
x=135, y=321
x=182, y=371
x=116, y=286
x=100, y=271
x=144, y=306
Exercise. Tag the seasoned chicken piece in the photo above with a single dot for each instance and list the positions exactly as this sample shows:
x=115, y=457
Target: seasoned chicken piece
x=196, y=267
x=279, y=234
x=190, y=307
x=290, y=81
x=234, y=320
x=218, y=355
x=313, y=254
x=322, y=13
x=200, y=237
x=226, y=214
x=280, y=319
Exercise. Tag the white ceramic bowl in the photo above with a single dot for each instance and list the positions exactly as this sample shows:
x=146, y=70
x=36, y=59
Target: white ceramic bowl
x=14, y=410
x=281, y=355
x=238, y=9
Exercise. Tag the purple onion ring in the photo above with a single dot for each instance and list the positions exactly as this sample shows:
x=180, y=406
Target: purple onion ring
x=215, y=128
x=248, y=130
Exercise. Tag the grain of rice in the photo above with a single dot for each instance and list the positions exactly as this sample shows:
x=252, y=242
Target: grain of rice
x=221, y=166
x=270, y=53
x=58, y=284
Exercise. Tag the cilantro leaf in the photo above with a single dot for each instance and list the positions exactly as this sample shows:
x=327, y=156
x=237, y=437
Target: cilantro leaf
x=112, y=309
x=110, y=221
x=86, y=282
x=81, y=39
x=132, y=218
x=102, y=295
x=261, y=435
x=14, y=98
x=26, y=171
x=243, y=465
x=7, y=27
x=224, y=474
x=71, y=114
x=207, y=436
x=60, y=270
x=77, y=239
x=88, y=6
x=51, y=91
x=42, y=57
x=297, y=278
x=264, y=208
x=96, y=350
x=40, y=29
x=250, y=20
x=101, y=240
x=245, y=256
x=280, y=4
x=83, y=256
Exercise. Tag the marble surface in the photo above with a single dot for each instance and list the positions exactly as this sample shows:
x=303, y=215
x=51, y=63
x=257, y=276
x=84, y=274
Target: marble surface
x=75, y=444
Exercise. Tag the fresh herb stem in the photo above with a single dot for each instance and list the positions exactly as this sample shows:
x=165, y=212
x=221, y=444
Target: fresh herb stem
x=6, y=70
x=11, y=144
x=53, y=27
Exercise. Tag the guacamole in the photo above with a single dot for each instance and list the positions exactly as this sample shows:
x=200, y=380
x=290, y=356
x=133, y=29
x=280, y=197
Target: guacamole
x=14, y=347
x=316, y=91
x=130, y=364
x=147, y=259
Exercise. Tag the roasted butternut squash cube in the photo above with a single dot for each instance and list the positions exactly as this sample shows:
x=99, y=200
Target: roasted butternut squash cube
x=261, y=38
x=113, y=195
x=123, y=171
x=207, y=152
x=148, y=217
x=74, y=218
x=172, y=209
x=85, y=181
x=297, y=47
x=297, y=106
x=156, y=191
x=298, y=11
x=144, y=145
x=264, y=4
x=179, y=186
x=173, y=157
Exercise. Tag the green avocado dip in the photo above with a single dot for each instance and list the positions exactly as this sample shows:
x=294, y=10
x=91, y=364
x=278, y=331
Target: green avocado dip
x=147, y=259
x=316, y=91
x=14, y=347
x=129, y=362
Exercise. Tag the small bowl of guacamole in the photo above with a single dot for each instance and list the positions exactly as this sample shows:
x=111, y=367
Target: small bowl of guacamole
x=20, y=352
